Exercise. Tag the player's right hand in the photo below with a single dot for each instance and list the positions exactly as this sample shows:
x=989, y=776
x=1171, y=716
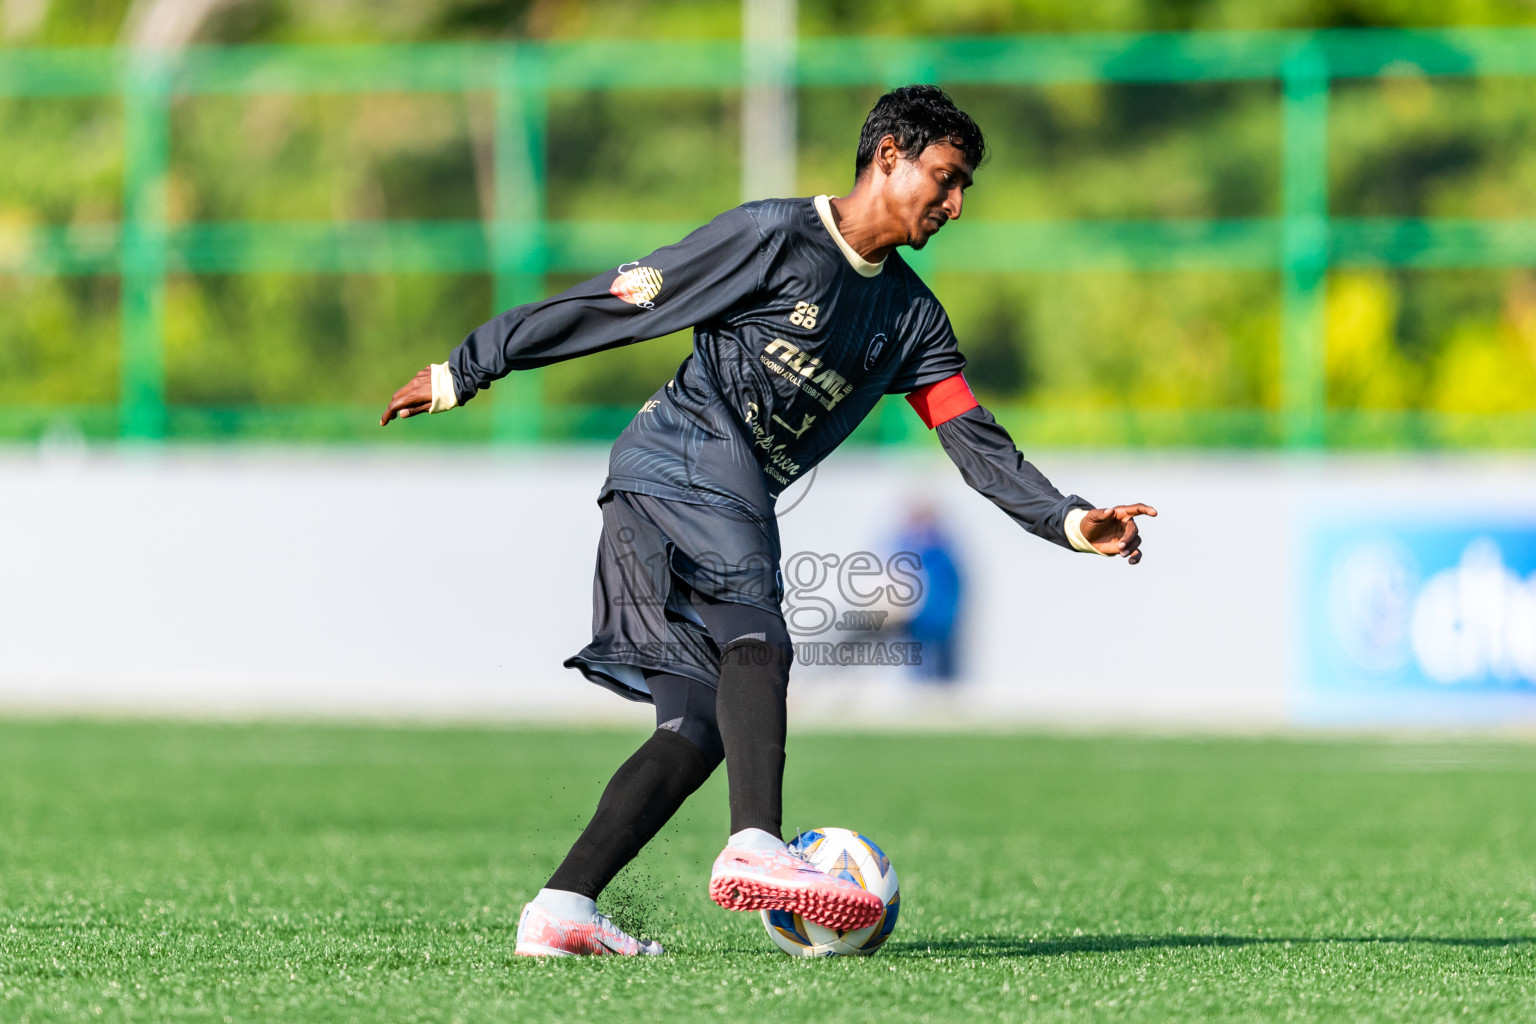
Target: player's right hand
x=413, y=399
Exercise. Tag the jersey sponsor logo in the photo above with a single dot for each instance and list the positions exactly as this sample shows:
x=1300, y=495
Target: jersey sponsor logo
x=638, y=285
x=793, y=363
x=806, y=419
x=805, y=315
x=872, y=354
x=779, y=466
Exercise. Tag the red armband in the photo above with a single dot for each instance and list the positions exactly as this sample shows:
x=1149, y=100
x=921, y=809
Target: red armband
x=941, y=402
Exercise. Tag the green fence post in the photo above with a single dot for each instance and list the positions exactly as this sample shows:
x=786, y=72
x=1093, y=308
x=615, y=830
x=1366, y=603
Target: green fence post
x=1304, y=189
x=894, y=430
x=146, y=129
x=517, y=236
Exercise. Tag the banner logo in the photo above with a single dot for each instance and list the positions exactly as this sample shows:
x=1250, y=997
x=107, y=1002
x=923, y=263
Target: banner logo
x=1398, y=615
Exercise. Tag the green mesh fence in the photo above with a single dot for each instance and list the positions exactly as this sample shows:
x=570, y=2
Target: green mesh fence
x=519, y=247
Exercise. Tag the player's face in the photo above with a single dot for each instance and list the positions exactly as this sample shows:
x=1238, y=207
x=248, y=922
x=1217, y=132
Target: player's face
x=927, y=192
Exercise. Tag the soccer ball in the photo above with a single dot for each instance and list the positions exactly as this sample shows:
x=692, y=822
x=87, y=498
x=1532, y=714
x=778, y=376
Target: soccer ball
x=845, y=853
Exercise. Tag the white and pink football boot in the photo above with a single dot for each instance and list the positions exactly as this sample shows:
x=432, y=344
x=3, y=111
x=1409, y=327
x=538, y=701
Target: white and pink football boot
x=541, y=933
x=746, y=878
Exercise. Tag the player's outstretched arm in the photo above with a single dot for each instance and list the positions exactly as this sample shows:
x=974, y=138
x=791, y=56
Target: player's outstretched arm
x=676, y=286
x=990, y=462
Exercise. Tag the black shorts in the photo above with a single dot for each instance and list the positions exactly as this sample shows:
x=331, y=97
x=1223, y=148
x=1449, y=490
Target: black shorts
x=653, y=557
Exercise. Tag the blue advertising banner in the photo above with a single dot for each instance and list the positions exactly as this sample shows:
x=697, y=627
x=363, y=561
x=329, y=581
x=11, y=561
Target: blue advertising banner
x=1426, y=624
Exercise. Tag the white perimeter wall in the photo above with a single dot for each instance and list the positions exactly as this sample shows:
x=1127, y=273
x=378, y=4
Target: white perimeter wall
x=449, y=585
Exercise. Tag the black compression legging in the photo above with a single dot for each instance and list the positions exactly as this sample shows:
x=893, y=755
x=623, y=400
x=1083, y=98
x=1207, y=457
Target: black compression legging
x=686, y=706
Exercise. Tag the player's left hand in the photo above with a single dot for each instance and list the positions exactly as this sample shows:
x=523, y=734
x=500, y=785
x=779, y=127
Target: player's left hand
x=413, y=399
x=1113, y=530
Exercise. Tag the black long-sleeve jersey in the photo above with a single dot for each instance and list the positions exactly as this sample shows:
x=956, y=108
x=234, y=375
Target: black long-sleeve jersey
x=795, y=340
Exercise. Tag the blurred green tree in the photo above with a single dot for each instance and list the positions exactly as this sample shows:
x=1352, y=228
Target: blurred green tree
x=1406, y=146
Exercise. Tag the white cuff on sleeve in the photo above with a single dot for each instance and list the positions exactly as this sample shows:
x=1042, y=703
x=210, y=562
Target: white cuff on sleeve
x=1074, y=528
x=444, y=397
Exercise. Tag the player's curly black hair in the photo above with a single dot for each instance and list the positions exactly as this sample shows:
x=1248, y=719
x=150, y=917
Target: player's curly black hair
x=917, y=116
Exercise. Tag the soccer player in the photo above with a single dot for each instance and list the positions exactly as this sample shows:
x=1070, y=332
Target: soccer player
x=804, y=315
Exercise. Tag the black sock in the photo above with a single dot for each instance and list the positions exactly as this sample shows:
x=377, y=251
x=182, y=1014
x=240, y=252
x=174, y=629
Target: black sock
x=754, y=679
x=642, y=795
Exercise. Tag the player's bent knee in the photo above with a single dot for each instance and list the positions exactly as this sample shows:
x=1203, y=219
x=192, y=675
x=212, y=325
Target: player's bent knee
x=686, y=708
x=704, y=737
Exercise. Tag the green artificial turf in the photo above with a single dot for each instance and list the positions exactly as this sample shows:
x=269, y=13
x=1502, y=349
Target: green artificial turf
x=222, y=873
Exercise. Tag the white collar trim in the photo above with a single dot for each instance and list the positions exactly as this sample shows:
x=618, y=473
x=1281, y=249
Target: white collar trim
x=857, y=262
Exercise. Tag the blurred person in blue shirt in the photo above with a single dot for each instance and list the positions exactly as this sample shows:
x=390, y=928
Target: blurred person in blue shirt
x=936, y=621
